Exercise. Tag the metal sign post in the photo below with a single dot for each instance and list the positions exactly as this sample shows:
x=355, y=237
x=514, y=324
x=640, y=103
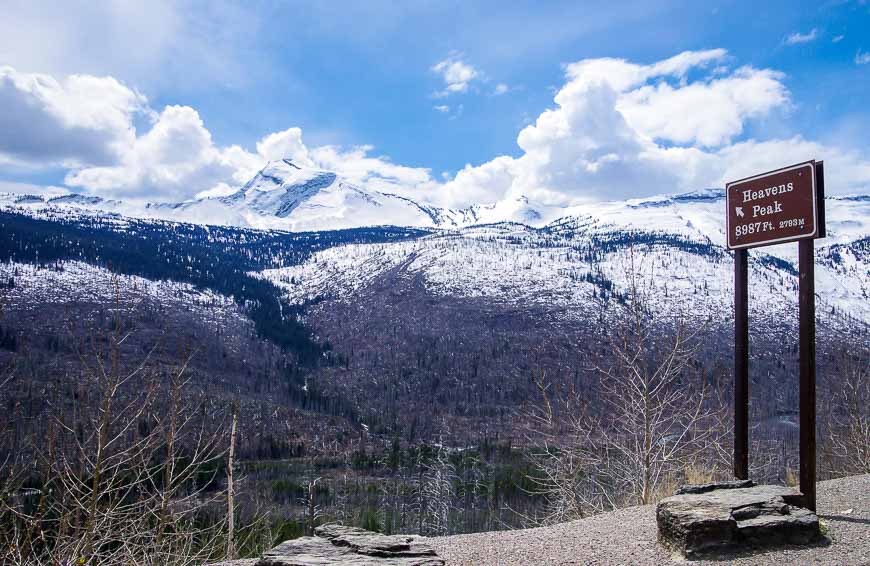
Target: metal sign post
x=780, y=206
x=741, y=364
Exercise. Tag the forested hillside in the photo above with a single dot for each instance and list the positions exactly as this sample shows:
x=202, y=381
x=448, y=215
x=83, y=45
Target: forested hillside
x=417, y=381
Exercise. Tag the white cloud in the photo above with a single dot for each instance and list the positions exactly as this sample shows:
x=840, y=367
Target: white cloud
x=846, y=171
x=87, y=125
x=443, y=108
x=707, y=113
x=587, y=147
x=479, y=184
x=79, y=119
x=161, y=45
x=287, y=144
x=621, y=75
x=175, y=159
x=798, y=37
x=500, y=89
x=356, y=165
x=862, y=58
x=457, y=74
x=622, y=130
x=618, y=129
x=837, y=38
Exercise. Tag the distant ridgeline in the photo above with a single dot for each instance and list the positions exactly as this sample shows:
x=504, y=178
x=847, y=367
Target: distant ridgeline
x=210, y=257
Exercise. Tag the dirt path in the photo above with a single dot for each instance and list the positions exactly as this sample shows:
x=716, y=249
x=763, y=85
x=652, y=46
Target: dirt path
x=628, y=536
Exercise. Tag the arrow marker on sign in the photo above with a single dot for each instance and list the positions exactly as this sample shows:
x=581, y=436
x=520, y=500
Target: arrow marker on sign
x=739, y=211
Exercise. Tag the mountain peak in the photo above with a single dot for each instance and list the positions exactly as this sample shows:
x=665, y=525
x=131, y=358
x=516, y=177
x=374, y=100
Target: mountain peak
x=281, y=173
x=285, y=164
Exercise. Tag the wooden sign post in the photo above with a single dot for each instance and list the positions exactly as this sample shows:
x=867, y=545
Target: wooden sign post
x=776, y=207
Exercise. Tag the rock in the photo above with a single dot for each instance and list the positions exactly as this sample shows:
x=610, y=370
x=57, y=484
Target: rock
x=349, y=546
x=717, y=516
x=705, y=487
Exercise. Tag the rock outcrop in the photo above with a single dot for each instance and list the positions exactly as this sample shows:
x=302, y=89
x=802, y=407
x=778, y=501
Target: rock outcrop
x=349, y=546
x=718, y=516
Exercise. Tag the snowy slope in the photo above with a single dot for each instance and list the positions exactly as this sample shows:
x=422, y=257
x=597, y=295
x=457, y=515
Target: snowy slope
x=516, y=252
x=77, y=282
x=282, y=196
x=700, y=215
x=568, y=271
x=289, y=197
x=286, y=196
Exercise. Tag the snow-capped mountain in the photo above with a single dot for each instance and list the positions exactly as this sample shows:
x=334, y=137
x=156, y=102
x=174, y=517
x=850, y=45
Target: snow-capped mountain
x=566, y=268
x=283, y=195
x=287, y=196
x=515, y=252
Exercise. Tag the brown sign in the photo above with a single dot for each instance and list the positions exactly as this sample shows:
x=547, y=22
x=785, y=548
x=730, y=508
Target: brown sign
x=772, y=208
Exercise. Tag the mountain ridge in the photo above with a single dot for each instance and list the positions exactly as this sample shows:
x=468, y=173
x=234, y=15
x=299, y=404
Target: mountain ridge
x=284, y=195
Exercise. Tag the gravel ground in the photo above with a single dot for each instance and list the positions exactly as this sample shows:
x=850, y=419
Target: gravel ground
x=628, y=536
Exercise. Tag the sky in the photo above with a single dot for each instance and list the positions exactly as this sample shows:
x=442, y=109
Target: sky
x=454, y=103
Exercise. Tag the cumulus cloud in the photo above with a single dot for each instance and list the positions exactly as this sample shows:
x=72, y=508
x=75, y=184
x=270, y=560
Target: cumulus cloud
x=500, y=89
x=708, y=113
x=617, y=130
x=358, y=166
x=178, y=159
x=79, y=119
x=481, y=184
x=798, y=37
x=846, y=171
x=456, y=73
x=87, y=125
x=175, y=159
x=862, y=58
x=287, y=144
x=621, y=130
x=443, y=108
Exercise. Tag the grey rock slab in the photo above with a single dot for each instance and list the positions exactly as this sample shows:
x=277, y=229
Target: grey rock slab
x=698, y=521
x=374, y=544
x=349, y=546
x=705, y=487
x=796, y=526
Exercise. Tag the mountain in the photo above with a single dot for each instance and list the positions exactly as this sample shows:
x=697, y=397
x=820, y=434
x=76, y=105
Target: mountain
x=475, y=298
x=350, y=347
x=565, y=268
x=516, y=251
x=287, y=196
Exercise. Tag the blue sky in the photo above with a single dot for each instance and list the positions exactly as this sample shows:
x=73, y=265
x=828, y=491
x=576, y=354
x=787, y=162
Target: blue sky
x=367, y=74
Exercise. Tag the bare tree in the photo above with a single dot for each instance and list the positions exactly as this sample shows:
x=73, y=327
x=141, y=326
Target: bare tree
x=313, y=511
x=652, y=408
x=123, y=468
x=231, y=501
x=436, y=491
x=568, y=458
x=652, y=422
x=850, y=416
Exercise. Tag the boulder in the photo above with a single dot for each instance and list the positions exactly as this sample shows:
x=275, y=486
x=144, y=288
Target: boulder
x=720, y=516
x=705, y=487
x=349, y=546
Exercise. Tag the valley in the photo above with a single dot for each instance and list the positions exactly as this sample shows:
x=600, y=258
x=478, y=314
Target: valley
x=365, y=363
